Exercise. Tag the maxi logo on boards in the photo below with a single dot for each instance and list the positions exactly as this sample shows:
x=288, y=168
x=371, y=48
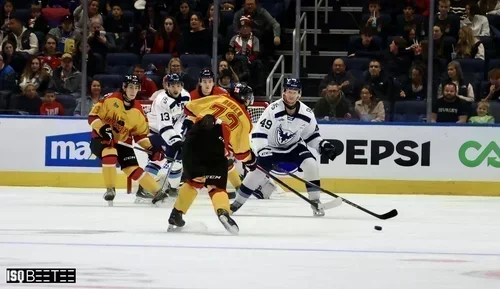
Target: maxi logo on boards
x=69, y=150
x=405, y=153
x=490, y=153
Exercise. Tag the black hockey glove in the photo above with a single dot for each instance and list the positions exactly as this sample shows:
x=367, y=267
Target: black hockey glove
x=177, y=146
x=106, y=132
x=187, y=124
x=251, y=164
x=327, y=149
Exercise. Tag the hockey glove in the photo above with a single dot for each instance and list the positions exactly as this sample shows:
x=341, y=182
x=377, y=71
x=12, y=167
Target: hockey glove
x=176, y=145
x=327, y=149
x=106, y=132
x=265, y=153
x=187, y=125
x=157, y=153
x=251, y=164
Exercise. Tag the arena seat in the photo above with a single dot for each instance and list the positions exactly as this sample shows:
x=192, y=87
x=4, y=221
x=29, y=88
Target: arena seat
x=196, y=60
x=409, y=111
x=358, y=63
x=120, y=63
x=110, y=82
x=157, y=59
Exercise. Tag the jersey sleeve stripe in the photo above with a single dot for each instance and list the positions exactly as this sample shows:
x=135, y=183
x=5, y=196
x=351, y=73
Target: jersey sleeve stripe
x=164, y=129
x=312, y=137
x=92, y=118
x=303, y=117
x=279, y=114
x=259, y=135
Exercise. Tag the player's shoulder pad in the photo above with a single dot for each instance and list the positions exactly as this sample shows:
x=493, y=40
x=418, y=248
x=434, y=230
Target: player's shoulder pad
x=276, y=105
x=111, y=95
x=306, y=110
x=220, y=90
x=138, y=106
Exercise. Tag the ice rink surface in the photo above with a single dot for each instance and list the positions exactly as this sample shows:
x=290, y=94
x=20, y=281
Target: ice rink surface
x=435, y=242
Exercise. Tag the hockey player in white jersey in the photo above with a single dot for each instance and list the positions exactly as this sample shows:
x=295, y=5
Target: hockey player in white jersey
x=165, y=125
x=283, y=132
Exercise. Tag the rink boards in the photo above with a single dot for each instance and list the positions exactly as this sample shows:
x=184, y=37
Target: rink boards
x=375, y=158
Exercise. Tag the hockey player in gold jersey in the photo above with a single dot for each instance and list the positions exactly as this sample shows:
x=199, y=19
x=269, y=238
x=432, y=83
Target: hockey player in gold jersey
x=118, y=118
x=221, y=126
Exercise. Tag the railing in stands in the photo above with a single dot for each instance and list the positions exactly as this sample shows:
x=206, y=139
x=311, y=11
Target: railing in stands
x=316, y=7
x=270, y=88
x=303, y=42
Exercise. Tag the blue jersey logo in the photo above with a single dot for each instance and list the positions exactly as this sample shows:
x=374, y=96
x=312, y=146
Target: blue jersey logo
x=70, y=150
x=284, y=136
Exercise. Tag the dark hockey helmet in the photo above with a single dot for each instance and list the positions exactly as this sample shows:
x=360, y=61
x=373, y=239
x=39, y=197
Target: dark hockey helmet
x=206, y=73
x=172, y=78
x=131, y=79
x=293, y=84
x=243, y=93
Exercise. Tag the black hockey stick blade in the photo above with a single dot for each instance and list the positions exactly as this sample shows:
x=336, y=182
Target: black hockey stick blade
x=385, y=216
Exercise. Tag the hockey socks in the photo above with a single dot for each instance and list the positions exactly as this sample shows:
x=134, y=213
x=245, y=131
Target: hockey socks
x=109, y=160
x=234, y=177
x=187, y=194
x=243, y=194
x=174, y=177
x=220, y=199
x=312, y=191
x=144, y=179
x=153, y=167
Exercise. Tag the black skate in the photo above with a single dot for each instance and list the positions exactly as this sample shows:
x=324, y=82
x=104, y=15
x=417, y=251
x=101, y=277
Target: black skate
x=175, y=221
x=227, y=222
x=142, y=196
x=317, y=212
x=109, y=196
x=235, y=206
x=159, y=197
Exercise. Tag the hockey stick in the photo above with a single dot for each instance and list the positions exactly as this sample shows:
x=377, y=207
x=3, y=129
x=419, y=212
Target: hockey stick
x=324, y=206
x=142, y=150
x=388, y=215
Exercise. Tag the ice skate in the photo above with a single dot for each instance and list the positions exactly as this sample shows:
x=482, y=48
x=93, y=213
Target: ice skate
x=109, y=196
x=142, y=196
x=235, y=206
x=317, y=212
x=175, y=221
x=227, y=222
x=159, y=197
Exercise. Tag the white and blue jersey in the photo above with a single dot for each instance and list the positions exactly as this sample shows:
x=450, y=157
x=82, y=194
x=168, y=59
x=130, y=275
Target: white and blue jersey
x=281, y=132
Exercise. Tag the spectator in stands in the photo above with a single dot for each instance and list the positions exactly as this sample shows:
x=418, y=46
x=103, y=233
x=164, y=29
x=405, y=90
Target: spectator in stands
x=12, y=57
x=333, y=105
x=375, y=21
x=489, y=7
x=183, y=17
x=140, y=42
x=457, y=7
x=494, y=90
x=7, y=76
x=237, y=65
x=29, y=101
x=50, y=58
x=364, y=46
x=369, y=107
x=99, y=41
x=442, y=48
x=6, y=12
x=479, y=23
x=198, y=40
x=116, y=24
x=65, y=35
x=167, y=38
x=264, y=26
x=151, y=19
x=415, y=87
x=376, y=78
x=398, y=60
x=175, y=66
x=67, y=79
x=408, y=21
x=148, y=86
x=449, y=22
x=93, y=15
x=422, y=7
x=482, y=113
x=226, y=79
x=464, y=89
x=469, y=46
x=37, y=23
x=26, y=41
x=209, y=19
x=224, y=65
x=94, y=64
x=450, y=108
x=344, y=79
x=50, y=105
x=85, y=104
x=34, y=73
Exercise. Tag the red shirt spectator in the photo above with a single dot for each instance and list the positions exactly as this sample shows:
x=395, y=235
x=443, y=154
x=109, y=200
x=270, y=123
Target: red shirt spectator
x=167, y=37
x=51, y=106
x=148, y=87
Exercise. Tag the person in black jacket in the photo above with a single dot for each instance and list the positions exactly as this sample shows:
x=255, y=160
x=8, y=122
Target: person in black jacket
x=380, y=83
x=334, y=105
x=198, y=40
x=364, y=46
x=341, y=77
x=415, y=87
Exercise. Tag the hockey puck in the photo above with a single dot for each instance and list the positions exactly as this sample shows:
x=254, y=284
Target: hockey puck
x=378, y=228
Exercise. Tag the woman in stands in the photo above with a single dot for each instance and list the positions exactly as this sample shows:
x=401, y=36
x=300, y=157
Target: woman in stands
x=34, y=73
x=85, y=104
x=198, y=40
x=5, y=12
x=479, y=23
x=369, y=108
x=93, y=15
x=183, y=17
x=489, y=7
x=13, y=58
x=415, y=88
x=167, y=37
x=455, y=75
x=175, y=66
x=140, y=41
x=151, y=19
x=468, y=46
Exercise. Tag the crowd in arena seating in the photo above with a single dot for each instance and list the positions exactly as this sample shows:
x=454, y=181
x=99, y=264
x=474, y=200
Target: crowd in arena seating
x=385, y=76
x=42, y=43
